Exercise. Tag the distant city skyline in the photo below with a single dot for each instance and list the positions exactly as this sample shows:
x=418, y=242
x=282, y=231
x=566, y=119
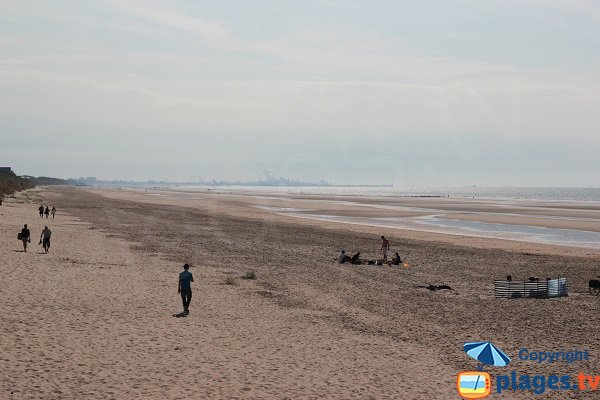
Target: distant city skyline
x=432, y=93
x=92, y=180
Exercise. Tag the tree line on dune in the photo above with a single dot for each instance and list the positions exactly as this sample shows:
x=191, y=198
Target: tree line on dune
x=11, y=183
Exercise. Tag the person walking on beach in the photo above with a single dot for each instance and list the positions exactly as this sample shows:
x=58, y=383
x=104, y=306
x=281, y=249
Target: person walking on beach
x=47, y=212
x=385, y=247
x=41, y=209
x=45, y=239
x=25, y=237
x=185, y=288
x=53, y=212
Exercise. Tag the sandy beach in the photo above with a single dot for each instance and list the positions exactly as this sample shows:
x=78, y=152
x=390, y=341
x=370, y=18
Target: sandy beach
x=364, y=214
x=94, y=318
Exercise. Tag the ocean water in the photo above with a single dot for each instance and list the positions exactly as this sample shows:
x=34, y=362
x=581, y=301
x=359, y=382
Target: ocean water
x=578, y=194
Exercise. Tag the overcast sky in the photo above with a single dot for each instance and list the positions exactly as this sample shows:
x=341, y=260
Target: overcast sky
x=418, y=93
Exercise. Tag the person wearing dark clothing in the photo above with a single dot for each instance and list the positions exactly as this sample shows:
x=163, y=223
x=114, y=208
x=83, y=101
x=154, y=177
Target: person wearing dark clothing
x=45, y=239
x=41, y=209
x=356, y=259
x=185, y=288
x=47, y=212
x=396, y=260
x=25, y=237
x=343, y=257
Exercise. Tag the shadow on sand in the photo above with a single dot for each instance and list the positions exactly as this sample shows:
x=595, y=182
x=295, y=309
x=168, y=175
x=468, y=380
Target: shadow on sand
x=180, y=315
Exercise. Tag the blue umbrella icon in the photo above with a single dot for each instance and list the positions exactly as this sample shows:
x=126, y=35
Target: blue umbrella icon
x=487, y=353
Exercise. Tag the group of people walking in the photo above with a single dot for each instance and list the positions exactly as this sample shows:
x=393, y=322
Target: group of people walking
x=25, y=234
x=47, y=211
x=25, y=237
x=385, y=248
x=185, y=277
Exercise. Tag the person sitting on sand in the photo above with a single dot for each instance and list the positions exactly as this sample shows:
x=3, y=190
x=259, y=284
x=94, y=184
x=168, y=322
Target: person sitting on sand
x=25, y=237
x=45, y=239
x=356, y=259
x=396, y=260
x=385, y=247
x=343, y=257
x=185, y=288
x=53, y=212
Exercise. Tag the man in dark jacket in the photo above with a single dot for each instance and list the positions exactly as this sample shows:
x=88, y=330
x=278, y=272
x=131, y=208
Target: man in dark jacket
x=185, y=288
x=25, y=237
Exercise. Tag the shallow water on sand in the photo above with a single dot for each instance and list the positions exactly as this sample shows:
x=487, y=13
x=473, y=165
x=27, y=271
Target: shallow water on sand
x=436, y=224
x=436, y=221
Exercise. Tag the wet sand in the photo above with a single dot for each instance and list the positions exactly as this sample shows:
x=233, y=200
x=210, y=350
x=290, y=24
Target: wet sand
x=96, y=318
x=584, y=216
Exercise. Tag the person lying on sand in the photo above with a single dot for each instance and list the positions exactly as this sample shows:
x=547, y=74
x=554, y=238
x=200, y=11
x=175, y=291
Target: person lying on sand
x=343, y=257
x=435, y=288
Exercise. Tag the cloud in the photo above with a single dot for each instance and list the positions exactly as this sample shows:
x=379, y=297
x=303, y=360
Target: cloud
x=318, y=49
x=584, y=7
x=133, y=79
x=168, y=15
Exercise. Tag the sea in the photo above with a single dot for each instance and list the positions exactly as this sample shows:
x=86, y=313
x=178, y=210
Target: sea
x=570, y=194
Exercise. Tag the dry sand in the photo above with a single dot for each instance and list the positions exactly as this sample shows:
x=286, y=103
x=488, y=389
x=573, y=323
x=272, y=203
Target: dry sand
x=94, y=318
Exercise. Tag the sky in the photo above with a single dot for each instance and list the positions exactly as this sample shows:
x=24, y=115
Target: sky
x=414, y=93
